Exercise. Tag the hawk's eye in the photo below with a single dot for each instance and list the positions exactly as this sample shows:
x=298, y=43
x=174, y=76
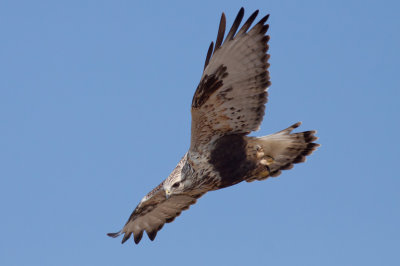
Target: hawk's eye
x=175, y=185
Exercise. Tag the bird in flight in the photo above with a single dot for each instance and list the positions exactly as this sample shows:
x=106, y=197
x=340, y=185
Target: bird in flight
x=228, y=104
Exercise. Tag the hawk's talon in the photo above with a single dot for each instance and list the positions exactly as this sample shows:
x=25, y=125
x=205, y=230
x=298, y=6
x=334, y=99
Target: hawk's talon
x=269, y=160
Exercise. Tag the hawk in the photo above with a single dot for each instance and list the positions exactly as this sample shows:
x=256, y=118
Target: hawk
x=228, y=104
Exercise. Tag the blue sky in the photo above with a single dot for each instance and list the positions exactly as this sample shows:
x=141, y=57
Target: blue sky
x=94, y=112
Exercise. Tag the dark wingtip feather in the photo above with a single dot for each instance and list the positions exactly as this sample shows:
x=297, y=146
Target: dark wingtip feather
x=209, y=53
x=114, y=235
x=235, y=25
x=248, y=22
x=263, y=20
x=221, y=32
x=126, y=237
x=295, y=125
x=138, y=237
x=152, y=235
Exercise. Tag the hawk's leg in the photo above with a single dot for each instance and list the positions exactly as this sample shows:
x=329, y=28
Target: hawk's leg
x=264, y=161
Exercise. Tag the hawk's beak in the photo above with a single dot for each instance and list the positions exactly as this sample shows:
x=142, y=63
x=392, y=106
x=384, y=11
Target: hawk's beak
x=167, y=193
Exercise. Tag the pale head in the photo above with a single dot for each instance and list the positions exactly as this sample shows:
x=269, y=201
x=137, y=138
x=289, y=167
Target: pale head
x=173, y=185
x=177, y=182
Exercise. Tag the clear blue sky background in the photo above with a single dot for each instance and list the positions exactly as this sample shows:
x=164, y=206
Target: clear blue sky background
x=94, y=112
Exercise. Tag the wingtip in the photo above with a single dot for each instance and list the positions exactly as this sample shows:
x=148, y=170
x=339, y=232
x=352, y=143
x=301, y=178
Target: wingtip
x=248, y=23
x=114, y=235
x=235, y=25
x=138, y=237
x=126, y=237
x=209, y=54
x=152, y=234
x=255, y=13
x=263, y=20
x=223, y=17
x=296, y=125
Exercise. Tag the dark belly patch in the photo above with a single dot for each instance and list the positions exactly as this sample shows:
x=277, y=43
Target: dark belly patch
x=229, y=159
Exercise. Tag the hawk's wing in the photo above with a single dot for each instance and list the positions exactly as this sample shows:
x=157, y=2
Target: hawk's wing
x=153, y=212
x=232, y=93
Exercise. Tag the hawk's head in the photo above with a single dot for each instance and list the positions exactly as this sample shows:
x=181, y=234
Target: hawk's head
x=177, y=182
x=173, y=188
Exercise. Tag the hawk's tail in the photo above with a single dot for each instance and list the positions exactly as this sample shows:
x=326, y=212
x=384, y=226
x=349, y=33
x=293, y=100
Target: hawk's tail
x=280, y=151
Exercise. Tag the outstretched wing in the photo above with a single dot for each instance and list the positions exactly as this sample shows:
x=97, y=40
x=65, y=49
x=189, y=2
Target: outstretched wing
x=153, y=212
x=232, y=93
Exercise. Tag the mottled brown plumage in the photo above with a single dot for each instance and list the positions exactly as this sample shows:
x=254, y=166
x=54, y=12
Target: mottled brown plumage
x=228, y=104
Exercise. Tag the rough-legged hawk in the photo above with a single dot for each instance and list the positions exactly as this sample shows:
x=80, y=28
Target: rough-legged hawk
x=228, y=104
